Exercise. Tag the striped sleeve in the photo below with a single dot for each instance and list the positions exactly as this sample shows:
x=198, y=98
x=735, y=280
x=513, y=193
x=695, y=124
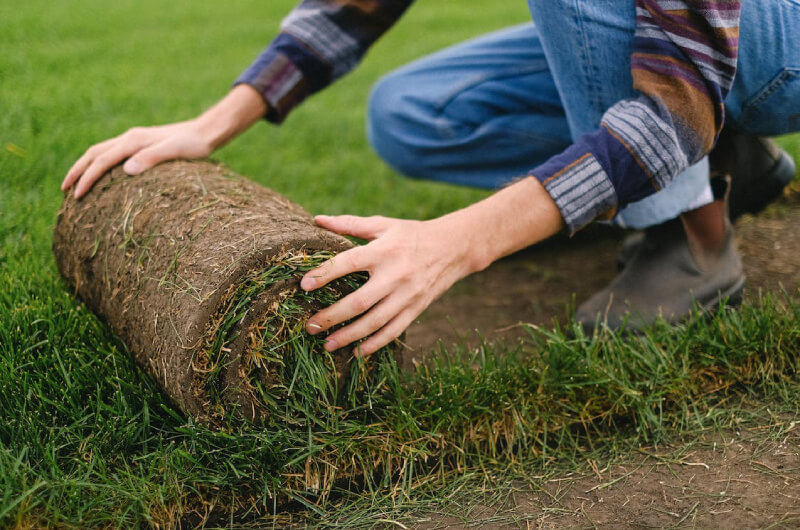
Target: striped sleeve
x=320, y=41
x=683, y=65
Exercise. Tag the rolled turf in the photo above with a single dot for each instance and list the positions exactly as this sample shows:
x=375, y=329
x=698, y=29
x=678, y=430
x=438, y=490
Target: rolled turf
x=197, y=269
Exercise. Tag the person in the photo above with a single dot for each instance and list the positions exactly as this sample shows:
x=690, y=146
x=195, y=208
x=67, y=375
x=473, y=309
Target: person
x=596, y=111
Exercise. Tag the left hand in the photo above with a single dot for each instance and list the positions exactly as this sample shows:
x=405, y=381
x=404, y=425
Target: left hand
x=410, y=264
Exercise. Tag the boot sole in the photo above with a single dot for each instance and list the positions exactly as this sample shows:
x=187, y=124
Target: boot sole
x=731, y=297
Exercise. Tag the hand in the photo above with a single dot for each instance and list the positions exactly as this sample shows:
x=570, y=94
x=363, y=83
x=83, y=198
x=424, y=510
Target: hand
x=144, y=147
x=410, y=264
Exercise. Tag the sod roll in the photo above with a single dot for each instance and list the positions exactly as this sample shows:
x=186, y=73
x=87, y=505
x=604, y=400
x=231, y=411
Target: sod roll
x=197, y=270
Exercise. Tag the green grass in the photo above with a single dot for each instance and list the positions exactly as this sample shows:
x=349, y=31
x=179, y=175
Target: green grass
x=279, y=352
x=87, y=441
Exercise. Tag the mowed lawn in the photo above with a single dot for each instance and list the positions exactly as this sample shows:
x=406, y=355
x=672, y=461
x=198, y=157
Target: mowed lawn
x=85, y=439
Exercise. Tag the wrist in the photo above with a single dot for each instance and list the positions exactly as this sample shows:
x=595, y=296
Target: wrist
x=514, y=218
x=461, y=240
x=232, y=115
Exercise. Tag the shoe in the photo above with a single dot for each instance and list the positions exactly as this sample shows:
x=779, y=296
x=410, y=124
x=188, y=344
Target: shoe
x=759, y=171
x=664, y=280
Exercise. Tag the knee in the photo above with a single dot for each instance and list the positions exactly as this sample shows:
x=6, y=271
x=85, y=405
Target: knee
x=393, y=127
x=383, y=114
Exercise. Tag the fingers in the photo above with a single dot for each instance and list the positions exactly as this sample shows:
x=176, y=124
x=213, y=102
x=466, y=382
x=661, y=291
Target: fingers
x=147, y=158
x=340, y=265
x=348, y=307
x=388, y=302
x=386, y=334
x=364, y=227
x=368, y=324
x=83, y=162
x=98, y=159
x=382, y=324
x=101, y=164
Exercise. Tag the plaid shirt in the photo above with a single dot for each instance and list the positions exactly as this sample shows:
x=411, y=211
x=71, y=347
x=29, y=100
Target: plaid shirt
x=683, y=65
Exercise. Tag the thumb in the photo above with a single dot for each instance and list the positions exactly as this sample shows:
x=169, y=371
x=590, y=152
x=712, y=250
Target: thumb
x=364, y=227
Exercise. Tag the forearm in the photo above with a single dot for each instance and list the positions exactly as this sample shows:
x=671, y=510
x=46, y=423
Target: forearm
x=512, y=219
x=231, y=116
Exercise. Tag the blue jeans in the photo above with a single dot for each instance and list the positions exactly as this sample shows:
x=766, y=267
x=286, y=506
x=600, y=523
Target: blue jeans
x=487, y=111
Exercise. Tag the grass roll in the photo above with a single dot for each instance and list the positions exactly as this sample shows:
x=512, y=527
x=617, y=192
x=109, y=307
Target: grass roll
x=197, y=269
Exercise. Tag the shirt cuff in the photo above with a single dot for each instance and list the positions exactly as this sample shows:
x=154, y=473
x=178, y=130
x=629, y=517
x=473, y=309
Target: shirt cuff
x=285, y=74
x=279, y=82
x=579, y=186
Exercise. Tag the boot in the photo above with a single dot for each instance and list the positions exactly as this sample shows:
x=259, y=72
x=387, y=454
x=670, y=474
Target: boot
x=665, y=279
x=759, y=171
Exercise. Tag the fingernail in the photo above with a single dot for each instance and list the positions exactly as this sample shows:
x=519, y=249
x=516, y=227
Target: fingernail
x=308, y=283
x=331, y=345
x=313, y=327
x=132, y=167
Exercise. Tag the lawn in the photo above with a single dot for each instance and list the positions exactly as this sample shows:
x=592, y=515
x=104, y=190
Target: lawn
x=86, y=439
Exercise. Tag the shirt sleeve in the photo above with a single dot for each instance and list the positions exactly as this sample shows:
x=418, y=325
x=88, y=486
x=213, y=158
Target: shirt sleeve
x=320, y=41
x=683, y=65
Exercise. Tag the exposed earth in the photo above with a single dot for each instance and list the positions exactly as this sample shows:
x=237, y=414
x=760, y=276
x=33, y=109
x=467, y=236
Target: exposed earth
x=733, y=480
x=740, y=479
x=547, y=281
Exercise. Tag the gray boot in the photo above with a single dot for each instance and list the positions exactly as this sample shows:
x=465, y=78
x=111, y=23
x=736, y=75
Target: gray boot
x=759, y=171
x=663, y=279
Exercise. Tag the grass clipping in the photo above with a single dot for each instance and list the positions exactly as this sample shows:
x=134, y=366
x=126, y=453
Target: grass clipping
x=197, y=270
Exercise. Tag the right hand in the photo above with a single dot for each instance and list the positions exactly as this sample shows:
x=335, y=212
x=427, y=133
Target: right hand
x=144, y=147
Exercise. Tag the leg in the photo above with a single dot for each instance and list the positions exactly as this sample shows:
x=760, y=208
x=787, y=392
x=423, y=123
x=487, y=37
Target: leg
x=487, y=111
x=666, y=275
x=765, y=100
x=588, y=45
x=699, y=254
x=480, y=113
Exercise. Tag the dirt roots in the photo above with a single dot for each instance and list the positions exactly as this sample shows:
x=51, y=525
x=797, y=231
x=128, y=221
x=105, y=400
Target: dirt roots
x=197, y=270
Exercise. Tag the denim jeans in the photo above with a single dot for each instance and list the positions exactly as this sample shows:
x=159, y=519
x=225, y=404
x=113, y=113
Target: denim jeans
x=487, y=111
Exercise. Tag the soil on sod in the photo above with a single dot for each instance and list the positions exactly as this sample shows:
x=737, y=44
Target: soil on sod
x=197, y=270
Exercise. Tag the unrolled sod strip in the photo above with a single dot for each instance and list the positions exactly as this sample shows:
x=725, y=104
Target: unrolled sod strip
x=197, y=270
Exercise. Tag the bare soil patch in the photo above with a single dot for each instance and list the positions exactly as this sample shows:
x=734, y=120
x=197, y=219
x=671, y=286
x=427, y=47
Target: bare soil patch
x=735, y=479
x=544, y=283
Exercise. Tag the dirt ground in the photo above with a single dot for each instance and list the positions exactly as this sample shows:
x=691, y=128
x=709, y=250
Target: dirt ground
x=546, y=282
x=735, y=480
